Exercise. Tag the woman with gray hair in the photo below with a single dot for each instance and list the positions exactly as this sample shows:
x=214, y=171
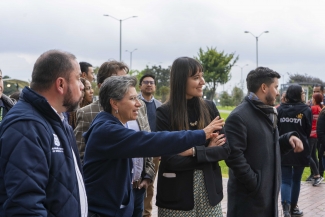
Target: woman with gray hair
x=110, y=147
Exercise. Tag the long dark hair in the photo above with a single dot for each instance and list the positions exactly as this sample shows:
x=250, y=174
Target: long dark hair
x=182, y=69
x=293, y=94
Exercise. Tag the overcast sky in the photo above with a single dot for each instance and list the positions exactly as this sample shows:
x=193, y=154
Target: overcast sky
x=165, y=30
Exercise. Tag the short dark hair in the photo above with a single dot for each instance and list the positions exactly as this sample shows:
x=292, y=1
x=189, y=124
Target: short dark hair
x=319, y=85
x=84, y=67
x=49, y=66
x=109, y=68
x=293, y=94
x=147, y=75
x=114, y=87
x=258, y=76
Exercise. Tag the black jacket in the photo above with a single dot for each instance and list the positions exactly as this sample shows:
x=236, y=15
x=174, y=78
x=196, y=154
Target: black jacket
x=296, y=117
x=254, y=162
x=321, y=130
x=177, y=192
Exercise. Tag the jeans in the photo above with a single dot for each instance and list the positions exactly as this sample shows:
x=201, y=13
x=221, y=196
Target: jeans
x=138, y=195
x=313, y=159
x=290, y=187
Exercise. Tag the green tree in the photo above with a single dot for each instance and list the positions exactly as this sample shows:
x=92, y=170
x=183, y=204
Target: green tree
x=225, y=99
x=164, y=91
x=237, y=95
x=217, y=66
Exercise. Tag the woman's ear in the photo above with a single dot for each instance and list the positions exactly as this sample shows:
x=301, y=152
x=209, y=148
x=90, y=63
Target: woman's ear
x=114, y=105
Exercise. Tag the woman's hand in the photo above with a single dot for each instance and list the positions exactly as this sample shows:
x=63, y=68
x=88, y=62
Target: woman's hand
x=217, y=140
x=216, y=124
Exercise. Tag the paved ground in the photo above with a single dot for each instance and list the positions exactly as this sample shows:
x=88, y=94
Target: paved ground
x=311, y=200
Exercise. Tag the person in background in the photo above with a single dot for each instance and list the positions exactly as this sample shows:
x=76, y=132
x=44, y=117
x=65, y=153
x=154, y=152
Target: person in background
x=282, y=99
x=255, y=158
x=294, y=115
x=314, y=162
x=319, y=88
x=143, y=168
x=15, y=96
x=5, y=102
x=40, y=170
x=87, y=71
x=321, y=134
x=87, y=98
x=191, y=184
x=147, y=86
x=111, y=145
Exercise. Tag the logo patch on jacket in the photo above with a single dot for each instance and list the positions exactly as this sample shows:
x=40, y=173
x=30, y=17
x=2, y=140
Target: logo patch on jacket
x=57, y=144
x=296, y=120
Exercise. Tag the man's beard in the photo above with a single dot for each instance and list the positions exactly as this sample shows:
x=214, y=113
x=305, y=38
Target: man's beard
x=68, y=103
x=270, y=100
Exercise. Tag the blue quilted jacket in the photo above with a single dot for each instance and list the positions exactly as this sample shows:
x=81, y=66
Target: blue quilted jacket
x=37, y=171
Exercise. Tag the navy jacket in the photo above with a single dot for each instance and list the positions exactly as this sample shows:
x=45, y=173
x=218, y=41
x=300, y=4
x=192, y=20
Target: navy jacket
x=108, y=164
x=37, y=171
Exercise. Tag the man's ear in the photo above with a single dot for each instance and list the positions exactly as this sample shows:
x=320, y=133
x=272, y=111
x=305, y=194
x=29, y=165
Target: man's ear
x=60, y=84
x=83, y=74
x=113, y=104
x=264, y=87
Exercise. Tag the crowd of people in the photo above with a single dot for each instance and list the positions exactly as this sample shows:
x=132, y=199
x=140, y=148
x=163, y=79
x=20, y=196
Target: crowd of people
x=63, y=154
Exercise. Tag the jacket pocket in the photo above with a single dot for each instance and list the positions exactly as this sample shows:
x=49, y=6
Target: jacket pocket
x=168, y=189
x=258, y=185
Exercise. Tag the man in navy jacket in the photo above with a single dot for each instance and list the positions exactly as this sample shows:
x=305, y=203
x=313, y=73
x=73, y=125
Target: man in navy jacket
x=40, y=172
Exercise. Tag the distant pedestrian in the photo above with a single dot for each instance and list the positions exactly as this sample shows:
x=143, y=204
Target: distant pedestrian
x=321, y=134
x=190, y=185
x=6, y=103
x=255, y=161
x=87, y=98
x=316, y=108
x=87, y=71
x=294, y=115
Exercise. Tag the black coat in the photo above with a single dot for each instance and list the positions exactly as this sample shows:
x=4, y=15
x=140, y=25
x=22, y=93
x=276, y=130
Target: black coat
x=296, y=117
x=177, y=192
x=321, y=130
x=254, y=162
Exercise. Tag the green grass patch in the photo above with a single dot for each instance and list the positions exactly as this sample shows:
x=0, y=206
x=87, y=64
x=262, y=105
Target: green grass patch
x=224, y=115
x=227, y=108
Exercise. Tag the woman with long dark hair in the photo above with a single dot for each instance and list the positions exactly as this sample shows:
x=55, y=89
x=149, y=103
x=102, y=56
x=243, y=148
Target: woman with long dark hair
x=190, y=185
x=294, y=115
x=315, y=109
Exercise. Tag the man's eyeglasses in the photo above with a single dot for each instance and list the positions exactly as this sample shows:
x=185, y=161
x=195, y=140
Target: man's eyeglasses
x=148, y=82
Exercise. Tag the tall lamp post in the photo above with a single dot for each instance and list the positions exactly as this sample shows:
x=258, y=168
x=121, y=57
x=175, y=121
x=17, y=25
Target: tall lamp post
x=256, y=37
x=241, y=75
x=106, y=15
x=131, y=57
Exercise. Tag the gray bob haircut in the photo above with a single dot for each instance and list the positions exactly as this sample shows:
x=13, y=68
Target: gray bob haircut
x=115, y=87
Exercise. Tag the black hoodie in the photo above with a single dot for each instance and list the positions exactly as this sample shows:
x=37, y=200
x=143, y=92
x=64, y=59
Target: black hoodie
x=296, y=117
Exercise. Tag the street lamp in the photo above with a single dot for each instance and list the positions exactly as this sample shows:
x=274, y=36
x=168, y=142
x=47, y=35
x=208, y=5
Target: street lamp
x=131, y=57
x=106, y=15
x=241, y=75
x=257, y=44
